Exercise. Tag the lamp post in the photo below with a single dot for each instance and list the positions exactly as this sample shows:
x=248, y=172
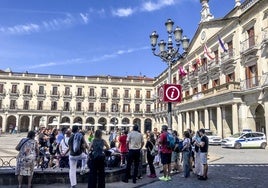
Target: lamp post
x=170, y=54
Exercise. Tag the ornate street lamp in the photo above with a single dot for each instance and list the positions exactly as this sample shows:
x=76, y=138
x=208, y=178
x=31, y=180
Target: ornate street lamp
x=169, y=53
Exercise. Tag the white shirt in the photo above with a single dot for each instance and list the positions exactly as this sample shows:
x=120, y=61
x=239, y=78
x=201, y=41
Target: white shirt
x=135, y=140
x=64, y=145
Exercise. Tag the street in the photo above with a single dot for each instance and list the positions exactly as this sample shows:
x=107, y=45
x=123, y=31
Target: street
x=227, y=168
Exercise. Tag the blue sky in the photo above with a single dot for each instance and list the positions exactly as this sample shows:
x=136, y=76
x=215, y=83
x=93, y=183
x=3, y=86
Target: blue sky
x=92, y=37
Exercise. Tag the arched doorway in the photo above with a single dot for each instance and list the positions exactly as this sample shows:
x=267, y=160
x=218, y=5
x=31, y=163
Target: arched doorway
x=24, y=124
x=147, y=125
x=259, y=119
x=11, y=123
x=137, y=121
x=103, y=122
x=125, y=121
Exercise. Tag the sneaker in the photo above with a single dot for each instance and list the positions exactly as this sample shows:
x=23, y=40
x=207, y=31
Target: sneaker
x=202, y=178
x=151, y=176
x=173, y=171
x=163, y=178
x=168, y=178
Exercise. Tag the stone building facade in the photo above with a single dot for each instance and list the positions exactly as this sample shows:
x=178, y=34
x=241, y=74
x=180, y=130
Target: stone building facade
x=225, y=88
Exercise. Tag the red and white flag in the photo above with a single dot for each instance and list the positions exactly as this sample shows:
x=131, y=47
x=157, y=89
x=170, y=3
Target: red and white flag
x=182, y=72
x=207, y=53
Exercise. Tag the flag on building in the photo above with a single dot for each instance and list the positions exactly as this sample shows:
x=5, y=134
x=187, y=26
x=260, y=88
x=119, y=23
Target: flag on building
x=207, y=53
x=182, y=72
x=222, y=44
x=197, y=60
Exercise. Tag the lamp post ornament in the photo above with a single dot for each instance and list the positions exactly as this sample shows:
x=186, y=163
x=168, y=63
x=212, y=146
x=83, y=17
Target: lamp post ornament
x=170, y=55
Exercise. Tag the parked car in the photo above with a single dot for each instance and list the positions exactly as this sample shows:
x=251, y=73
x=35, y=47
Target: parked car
x=213, y=139
x=245, y=140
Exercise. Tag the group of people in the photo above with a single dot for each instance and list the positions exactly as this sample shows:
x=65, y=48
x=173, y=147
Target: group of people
x=70, y=147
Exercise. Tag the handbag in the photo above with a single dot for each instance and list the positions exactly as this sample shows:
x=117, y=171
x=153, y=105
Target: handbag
x=154, y=150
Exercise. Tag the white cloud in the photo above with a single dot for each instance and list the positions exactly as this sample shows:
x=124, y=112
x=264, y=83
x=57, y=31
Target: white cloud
x=84, y=17
x=152, y=6
x=21, y=29
x=123, y=12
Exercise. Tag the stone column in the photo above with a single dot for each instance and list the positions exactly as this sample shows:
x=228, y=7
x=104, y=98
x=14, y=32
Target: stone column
x=242, y=120
x=17, y=121
x=4, y=125
x=235, y=119
x=219, y=121
x=187, y=120
x=180, y=125
x=196, y=123
x=206, y=118
x=31, y=122
x=266, y=118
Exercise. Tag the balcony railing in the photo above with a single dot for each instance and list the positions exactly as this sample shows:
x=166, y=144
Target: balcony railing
x=265, y=35
x=227, y=56
x=248, y=44
x=254, y=82
x=40, y=94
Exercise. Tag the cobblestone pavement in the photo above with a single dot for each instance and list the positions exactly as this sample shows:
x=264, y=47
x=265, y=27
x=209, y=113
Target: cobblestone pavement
x=227, y=168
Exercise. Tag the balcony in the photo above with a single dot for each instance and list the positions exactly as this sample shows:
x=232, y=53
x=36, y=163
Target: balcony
x=214, y=65
x=228, y=57
x=149, y=98
x=104, y=97
x=3, y=93
x=249, y=45
x=27, y=94
x=79, y=96
x=41, y=94
x=115, y=96
x=126, y=112
x=137, y=97
x=127, y=97
x=55, y=95
x=92, y=96
x=138, y=112
x=265, y=36
x=14, y=93
x=257, y=82
x=67, y=95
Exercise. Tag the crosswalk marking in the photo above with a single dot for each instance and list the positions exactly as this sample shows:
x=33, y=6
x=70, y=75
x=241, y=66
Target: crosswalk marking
x=239, y=165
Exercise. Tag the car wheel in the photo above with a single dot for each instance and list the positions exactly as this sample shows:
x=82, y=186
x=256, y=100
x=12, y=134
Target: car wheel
x=237, y=146
x=263, y=145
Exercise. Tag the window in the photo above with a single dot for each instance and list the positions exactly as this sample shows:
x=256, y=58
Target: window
x=103, y=106
x=79, y=106
x=103, y=92
x=54, y=90
x=215, y=83
x=91, y=92
x=26, y=89
x=1, y=88
x=187, y=93
x=0, y=104
x=41, y=90
x=14, y=89
x=216, y=53
x=53, y=105
x=115, y=91
x=66, y=106
x=148, y=94
x=204, y=87
x=67, y=91
x=12, y=104
x=91, y=107
x=195, y=90
x=126, y=108
x=40, y=105
x=252, y=76
x=137, y=107
x=126, y=94
x=230, y=48
x=138, y=94
x=114, y=107
x=79, y=91
x=174, y=80
x=148, y=108
x=26, y=105
x=230, y=77
x=251, y=37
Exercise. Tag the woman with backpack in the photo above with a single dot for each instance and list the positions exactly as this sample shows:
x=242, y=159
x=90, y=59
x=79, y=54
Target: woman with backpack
x=150, y=144
x=96, y=161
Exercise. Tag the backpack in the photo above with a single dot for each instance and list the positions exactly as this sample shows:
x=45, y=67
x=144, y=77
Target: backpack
x=170, y=141
x=179, y=144
x=77, y=144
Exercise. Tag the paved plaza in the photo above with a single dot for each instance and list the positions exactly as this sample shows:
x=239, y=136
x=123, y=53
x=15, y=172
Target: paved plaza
x=227, y=168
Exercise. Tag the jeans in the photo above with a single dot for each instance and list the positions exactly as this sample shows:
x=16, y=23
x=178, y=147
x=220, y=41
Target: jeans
x=186, y=163
x=73, y=165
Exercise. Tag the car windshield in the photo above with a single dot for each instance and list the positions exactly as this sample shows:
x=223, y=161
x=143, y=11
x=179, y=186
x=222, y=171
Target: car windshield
x=236, y=135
